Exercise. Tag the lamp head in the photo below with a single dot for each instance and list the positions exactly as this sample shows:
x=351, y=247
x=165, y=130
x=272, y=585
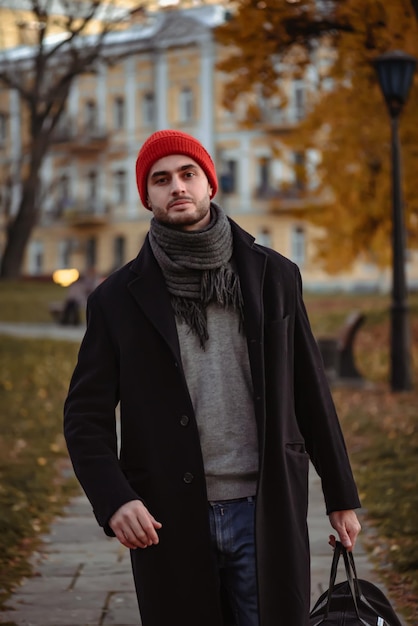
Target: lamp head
x=395, y=70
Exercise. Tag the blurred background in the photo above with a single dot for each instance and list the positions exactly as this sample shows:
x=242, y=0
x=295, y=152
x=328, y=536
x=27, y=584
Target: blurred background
x=317, y=156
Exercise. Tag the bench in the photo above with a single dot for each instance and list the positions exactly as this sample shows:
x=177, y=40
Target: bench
x=56, y=309
x=337, y=352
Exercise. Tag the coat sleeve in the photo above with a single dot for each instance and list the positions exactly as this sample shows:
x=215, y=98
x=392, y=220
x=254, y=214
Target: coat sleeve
x=90, y=420
x=317, y=417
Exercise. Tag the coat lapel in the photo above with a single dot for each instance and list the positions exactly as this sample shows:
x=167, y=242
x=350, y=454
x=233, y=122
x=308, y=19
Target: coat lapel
x=251, y=263
x=151, y=294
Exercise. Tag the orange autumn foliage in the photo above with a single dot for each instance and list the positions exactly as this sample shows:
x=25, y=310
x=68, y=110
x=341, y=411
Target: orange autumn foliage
x=347, y=122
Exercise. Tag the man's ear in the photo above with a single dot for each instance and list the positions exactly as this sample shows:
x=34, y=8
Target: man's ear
x=210, y=190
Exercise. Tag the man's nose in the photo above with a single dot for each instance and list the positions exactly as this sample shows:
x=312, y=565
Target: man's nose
x=177, y=185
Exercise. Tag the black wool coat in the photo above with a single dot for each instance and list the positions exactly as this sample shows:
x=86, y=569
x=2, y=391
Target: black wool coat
x=130, y=354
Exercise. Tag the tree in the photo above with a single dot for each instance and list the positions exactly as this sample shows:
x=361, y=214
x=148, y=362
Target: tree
x=43, y=77
x=348, y=122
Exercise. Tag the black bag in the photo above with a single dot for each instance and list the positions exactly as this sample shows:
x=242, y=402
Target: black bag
x=352, y=602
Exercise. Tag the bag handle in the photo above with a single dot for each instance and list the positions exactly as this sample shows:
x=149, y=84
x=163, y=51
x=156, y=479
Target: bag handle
x=352, y=580
x=350, y=568
x=349, y=563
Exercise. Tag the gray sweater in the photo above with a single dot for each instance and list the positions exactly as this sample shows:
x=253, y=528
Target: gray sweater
x=219, y=382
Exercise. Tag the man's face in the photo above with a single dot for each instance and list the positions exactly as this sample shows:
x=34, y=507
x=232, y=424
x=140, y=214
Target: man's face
x=179, y=193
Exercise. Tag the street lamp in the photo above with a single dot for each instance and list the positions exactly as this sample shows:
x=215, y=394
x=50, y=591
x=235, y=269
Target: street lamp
x=395, y=71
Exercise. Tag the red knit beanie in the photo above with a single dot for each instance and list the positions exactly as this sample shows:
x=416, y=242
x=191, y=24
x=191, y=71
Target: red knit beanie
x=164, y=143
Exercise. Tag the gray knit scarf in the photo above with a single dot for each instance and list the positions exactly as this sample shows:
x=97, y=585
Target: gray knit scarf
x=197, y=270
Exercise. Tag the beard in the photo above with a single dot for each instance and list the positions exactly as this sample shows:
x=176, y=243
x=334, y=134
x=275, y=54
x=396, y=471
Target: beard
x=195, y=213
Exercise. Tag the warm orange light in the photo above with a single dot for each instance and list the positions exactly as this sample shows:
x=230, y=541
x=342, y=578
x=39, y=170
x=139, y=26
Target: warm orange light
x=65, y=277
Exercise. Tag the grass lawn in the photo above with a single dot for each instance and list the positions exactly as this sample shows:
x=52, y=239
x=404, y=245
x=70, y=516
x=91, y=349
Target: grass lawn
x=382, y=437
x=34, y=376
x=381, y=430
x=27, y=301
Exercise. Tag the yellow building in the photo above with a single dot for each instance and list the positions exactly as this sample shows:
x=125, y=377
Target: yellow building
x=163, y=75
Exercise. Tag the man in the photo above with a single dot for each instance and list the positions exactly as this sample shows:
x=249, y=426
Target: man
x=205, y=342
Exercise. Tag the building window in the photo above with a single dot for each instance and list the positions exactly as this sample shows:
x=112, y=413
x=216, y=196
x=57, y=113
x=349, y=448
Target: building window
x=119, y=178
x=64, y=253
x=64, y=194
x=186, y=104
x=263, y=176
x=91, y=252
x=90, y=115
x=66, y=127
x=3, y=128
x=119, y=113
x=299, y=165
x=298, y=100
x=36, y=258
x=228, y=177
x=92, y=186
x=148, y=109
x=265, y=167
x=298, y=245
x=64, y=187
x=119, y=251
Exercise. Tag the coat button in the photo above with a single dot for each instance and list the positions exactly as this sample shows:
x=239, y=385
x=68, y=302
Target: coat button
x=188, y=478
x=184, y=420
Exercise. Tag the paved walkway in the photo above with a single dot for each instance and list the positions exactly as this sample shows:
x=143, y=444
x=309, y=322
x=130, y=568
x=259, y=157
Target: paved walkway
x=83, y=578
x=42, y=331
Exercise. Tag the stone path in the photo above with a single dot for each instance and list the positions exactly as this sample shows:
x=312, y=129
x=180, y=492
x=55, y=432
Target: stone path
x=42, y=331
x=83, y=578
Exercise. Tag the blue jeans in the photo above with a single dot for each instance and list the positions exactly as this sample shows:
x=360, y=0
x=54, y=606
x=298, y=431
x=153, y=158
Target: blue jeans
x=232, y=535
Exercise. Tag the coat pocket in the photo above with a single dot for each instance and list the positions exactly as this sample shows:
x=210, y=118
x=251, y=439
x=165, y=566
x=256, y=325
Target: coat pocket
x=298, y=447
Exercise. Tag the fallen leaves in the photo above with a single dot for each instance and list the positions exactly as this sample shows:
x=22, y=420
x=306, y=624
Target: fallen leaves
x=35, y=375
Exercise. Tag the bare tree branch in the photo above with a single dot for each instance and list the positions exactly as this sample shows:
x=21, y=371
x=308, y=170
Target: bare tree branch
x=43, y=75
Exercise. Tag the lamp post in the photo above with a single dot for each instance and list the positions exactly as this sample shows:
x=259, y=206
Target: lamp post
x=395, y=71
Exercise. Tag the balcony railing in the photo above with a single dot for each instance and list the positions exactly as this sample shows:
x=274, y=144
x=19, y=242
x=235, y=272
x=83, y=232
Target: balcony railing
x=86, y=213
x=281, y=119
x=286, y=192
x=92, y=136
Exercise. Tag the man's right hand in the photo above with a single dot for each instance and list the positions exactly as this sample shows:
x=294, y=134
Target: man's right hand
x=134, y=525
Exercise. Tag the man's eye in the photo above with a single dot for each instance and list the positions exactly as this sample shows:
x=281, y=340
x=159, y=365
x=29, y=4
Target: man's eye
x=160, y=181
x=189, y=174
